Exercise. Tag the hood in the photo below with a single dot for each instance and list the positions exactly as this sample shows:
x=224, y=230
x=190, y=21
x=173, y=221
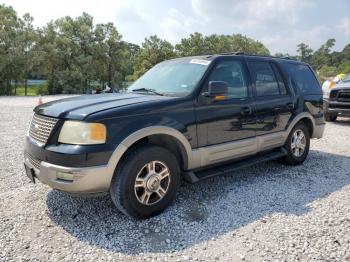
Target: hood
x=342, y=85
x=81, y=106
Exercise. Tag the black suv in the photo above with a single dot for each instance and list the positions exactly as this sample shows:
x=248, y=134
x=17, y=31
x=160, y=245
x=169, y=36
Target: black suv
x=188, y=118
x=338, y=102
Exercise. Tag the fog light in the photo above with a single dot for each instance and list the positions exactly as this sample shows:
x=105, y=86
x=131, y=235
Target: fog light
x=64, y=176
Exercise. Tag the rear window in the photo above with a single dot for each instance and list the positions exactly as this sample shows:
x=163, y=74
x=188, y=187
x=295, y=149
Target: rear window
x=303, y=78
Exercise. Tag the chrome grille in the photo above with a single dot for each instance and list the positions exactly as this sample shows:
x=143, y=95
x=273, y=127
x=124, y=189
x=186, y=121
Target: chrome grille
x=34, y=162
x=41, y=127
x=344, y=96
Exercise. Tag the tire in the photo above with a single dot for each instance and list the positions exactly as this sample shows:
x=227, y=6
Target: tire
x=137, y=198
x=292, y=158
x=331, y=117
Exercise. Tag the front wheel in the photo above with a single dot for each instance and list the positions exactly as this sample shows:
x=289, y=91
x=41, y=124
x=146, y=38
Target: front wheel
x=145, y=182
x=297, y=145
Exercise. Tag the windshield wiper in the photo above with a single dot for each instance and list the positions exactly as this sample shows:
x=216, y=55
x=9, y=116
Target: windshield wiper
x=149, y=90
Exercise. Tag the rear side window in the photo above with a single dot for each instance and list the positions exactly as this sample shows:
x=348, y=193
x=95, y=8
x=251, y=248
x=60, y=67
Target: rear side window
x=282, y=86
x=303, y=78
x=264, y=78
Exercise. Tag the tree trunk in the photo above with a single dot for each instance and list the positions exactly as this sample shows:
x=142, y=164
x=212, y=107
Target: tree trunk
x=8, y=87
x=15, y=87
x=25, y=86
x=51, y=82
x=110, y=74
x=85, y=86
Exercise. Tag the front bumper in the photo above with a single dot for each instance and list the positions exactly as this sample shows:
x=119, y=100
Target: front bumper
x=86, y=180
x=92, y=167
x=334, y=107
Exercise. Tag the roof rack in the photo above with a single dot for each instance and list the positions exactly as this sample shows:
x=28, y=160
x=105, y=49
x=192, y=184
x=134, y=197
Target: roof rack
x=267, y=56
x=234, y=53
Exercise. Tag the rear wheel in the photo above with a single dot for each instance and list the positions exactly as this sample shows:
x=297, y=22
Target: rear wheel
x=331, y=117
x=145, y=182
x=297, y=145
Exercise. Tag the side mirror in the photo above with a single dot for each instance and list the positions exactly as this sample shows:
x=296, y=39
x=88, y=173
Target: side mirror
x=217, y=89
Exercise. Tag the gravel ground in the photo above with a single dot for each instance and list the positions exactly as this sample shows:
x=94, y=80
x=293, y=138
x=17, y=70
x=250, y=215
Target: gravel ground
x=263, y=213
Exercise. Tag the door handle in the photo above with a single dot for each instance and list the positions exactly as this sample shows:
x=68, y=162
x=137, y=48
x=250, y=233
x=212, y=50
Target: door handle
x=246, y=110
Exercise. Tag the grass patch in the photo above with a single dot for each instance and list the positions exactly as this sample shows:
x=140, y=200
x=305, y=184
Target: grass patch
x=33, y=90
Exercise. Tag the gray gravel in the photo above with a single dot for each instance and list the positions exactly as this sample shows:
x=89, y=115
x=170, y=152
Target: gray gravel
x=266, y=212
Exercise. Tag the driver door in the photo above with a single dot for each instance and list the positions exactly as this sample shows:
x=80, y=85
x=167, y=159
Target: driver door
x=231, y=118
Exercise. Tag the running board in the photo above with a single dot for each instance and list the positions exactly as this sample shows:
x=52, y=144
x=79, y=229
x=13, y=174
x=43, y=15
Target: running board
x=195, y=176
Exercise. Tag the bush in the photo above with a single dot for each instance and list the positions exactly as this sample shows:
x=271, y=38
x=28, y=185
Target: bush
x=328, y=71
x=42, y=90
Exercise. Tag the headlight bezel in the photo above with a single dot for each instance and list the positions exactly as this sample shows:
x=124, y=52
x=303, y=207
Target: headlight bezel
x=76, y=132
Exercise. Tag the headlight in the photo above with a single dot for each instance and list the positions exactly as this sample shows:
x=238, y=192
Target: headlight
x=81, y=133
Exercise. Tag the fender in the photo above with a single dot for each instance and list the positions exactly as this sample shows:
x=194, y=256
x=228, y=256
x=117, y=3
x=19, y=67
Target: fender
x=192, y=159
x=299, y=117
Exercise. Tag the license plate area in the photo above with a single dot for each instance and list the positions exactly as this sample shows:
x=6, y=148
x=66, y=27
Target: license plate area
x=30, y=173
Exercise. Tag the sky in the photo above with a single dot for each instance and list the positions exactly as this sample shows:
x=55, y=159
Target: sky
x=279, y=24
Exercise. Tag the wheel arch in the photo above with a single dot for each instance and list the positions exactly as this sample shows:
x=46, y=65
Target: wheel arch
x=309, y=124
x=305, y=118
x=167, y=137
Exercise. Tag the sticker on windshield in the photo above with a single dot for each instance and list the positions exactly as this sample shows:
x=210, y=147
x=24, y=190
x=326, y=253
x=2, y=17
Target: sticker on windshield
x=200, y=61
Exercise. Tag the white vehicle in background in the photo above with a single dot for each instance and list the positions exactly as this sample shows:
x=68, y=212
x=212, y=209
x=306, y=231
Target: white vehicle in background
x=336, y=96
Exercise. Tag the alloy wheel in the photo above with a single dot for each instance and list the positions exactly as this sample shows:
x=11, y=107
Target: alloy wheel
x=152, y=183
x=298, y=143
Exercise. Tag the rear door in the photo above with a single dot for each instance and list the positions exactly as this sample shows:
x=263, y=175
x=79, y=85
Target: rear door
x=273, y=100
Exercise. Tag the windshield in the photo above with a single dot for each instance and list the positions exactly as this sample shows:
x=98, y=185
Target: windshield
x=347, y=78
x=175, y=77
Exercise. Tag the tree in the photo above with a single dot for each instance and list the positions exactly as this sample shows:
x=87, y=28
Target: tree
x=304, y=52
x=153, y=51
x=75, y=55
x=50, y=58
x=344, y=60
x=322, y=56
x=197, y=44
x=112, y=55
x=240, y=43
x=10, y=49
x=194, y=45
x=328, y=71
x=28, y=39
x=75, y=46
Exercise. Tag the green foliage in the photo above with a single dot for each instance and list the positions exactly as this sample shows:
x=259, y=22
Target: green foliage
x=325, y=62
x=304, y=52
x=197, y=44
x=10, y=51
x=74, y=55
x=328, y=71
x=153, y=51
x=33, y=90
x=70, y=53
x=344, y=67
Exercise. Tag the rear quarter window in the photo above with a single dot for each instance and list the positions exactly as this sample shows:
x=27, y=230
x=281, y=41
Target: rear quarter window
x=303, y=78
